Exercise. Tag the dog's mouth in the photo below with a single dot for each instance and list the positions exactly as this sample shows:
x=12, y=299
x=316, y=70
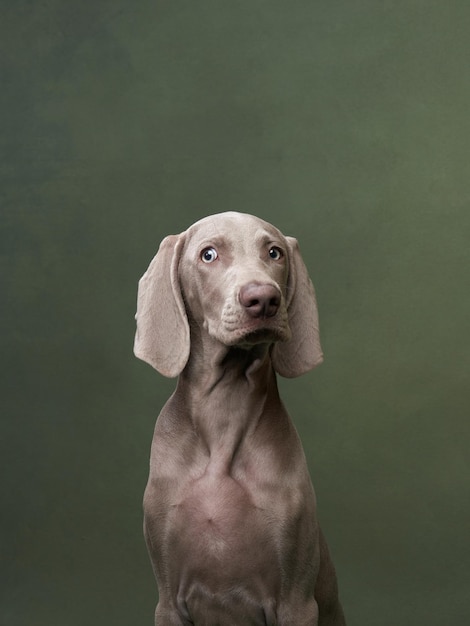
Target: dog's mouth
x=260, y=332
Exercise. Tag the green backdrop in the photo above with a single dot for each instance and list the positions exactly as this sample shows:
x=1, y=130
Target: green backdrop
x=344, y=123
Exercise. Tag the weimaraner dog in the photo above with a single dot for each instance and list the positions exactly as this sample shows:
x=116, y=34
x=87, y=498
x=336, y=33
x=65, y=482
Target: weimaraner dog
x=230, y=520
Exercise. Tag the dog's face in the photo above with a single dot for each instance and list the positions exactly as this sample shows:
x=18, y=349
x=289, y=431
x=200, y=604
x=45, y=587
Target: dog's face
x=237, y=278
x=233, y=275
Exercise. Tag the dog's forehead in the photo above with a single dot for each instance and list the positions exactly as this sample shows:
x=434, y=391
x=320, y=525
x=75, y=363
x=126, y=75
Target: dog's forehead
x=236, y=228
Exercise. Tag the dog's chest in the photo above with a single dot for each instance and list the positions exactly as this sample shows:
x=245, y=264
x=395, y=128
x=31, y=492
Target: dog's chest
x=215, y=523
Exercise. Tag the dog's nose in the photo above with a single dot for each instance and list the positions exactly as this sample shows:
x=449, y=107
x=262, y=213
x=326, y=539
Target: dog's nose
x=260, y=300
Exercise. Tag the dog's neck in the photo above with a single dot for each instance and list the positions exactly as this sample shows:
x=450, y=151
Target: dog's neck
x=226, y=392
x=212, y=363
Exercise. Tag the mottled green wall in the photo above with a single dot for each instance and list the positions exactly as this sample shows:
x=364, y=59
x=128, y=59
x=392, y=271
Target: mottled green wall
x=347, y=124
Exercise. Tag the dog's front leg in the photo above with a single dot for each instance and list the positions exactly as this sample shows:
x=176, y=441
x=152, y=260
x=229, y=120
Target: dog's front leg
x=169, y=617
x=326, y=589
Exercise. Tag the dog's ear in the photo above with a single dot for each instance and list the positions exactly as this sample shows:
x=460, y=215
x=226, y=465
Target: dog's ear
x=162, y=337
x=302, y=352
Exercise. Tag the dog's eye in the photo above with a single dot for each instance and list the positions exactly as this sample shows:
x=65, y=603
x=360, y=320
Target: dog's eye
x=275, y=253
x=208, y=255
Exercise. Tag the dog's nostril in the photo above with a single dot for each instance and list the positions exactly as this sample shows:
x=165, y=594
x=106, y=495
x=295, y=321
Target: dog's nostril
x=260, y=300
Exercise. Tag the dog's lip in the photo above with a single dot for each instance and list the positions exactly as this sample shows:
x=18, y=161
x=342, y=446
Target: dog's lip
x=258, y=331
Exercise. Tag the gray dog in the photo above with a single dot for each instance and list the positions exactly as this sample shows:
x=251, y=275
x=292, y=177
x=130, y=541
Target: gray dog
x=230, y=519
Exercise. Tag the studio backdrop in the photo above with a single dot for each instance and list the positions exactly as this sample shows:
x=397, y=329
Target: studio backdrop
x=345, y=124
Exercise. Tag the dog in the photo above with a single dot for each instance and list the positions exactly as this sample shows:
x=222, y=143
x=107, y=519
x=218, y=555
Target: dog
x=229, y=509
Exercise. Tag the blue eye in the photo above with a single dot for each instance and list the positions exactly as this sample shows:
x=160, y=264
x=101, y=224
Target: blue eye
x=209, y=255
x=275, y=253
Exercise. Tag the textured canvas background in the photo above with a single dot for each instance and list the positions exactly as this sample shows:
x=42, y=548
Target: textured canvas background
x=344, y=123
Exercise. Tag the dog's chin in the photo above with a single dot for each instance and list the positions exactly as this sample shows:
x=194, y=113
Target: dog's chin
x=255, y=335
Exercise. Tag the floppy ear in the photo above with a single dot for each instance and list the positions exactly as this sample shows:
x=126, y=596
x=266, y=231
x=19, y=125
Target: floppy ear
x=302, y=352
x=162, y=337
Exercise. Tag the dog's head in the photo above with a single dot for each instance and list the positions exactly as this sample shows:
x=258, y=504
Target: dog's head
x=239, y=279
